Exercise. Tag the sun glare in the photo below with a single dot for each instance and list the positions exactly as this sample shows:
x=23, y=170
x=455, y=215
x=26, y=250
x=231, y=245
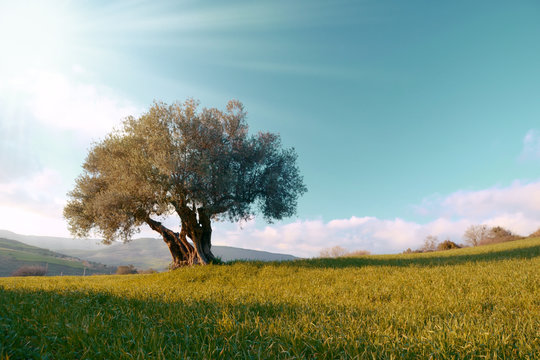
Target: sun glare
x=33, y=33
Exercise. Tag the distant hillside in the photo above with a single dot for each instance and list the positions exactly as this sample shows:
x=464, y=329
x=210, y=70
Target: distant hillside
x=15, y=254
x=153, y=253
x=51, y=242
x=143, y=253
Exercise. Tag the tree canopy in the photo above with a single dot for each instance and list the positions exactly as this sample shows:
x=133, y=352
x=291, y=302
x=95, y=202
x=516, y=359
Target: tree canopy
x=201, y=165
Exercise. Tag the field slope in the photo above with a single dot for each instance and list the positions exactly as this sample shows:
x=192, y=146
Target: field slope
x=479, y=303
x=15, y=254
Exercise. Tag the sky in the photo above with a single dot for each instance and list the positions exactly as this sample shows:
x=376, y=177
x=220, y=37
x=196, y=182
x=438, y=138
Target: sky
x=409, y=118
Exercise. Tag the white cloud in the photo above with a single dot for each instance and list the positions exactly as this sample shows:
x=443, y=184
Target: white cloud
x=33, y=205
x=515, y=207
x=27, y=222
x=43, y=192
x=58, y=101
x=531, y=146
x=479, y=205
x=307, y=237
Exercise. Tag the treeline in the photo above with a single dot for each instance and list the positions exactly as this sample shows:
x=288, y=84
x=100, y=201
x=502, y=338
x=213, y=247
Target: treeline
x=475, y=235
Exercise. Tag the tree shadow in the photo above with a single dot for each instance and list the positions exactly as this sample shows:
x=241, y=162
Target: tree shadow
x=79, y=324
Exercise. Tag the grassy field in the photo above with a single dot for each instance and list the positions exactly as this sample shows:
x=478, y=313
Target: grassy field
x=14, y=254
x=475, y=303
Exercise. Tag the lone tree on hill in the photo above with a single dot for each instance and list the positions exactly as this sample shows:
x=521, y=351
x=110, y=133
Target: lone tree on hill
x=174, y=159
x=475, y=234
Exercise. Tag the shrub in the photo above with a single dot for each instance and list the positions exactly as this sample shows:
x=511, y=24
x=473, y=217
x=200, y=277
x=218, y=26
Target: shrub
x=147, y=271
x=358, y=253
x=447, y=245
x=126, y=270
x=535, y=234
x=498, y=234
x=334, y=252
x=338, y=251
x=30, y=271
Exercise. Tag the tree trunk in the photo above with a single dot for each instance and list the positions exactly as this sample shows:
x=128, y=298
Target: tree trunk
x=204, y=244
x=200, y=233
x=182, y=252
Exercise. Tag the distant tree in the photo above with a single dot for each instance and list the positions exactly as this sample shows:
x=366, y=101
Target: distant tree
x=147, y=271
x=499, y=234
x=476, y=234
x=174, y=159
x=447, y=245
x=333, y=252
x=126, y=270
x=32, y=270
x=430, y=243
x=535, y=234
x=355, y=253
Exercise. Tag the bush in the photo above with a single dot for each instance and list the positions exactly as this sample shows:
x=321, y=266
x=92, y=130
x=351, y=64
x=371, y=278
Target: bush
x=447, y=245
x=336, y=251
x=147, y=271
x=498, y=234
x=30, y=271
x=358, y=253
x=126, y=270
x=535, y=234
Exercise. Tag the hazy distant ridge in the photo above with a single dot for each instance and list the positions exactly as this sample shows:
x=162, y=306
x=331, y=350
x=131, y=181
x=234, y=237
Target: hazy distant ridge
x=143, y=253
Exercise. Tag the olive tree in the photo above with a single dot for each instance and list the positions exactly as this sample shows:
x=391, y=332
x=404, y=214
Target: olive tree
x=200, y=165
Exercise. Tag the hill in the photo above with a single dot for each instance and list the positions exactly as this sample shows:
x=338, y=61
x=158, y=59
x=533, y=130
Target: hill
x=51, y=242
x=153, y=253
x=143, y=253
x=459, y=304
x=14, y=254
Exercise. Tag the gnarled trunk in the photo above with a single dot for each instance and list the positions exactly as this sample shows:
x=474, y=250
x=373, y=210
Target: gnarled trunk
x=182, y=251
x=203, y=240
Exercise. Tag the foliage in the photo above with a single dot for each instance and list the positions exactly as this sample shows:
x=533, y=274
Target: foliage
x=535, y=234
x=174, y=159
x=356, y=253
x=447, y=245
x=338, y=251
x=126, y=270
x=430, y=243
x=30, y=271
x=147, y=271
x=475, y=234
x=333, y=252
x=471, y=303
x=498, y=234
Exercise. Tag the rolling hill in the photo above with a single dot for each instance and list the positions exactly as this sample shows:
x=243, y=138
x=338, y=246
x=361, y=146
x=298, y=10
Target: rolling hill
x=472, y=303
x=147, y=253
x=15, y=254
x=143, y=253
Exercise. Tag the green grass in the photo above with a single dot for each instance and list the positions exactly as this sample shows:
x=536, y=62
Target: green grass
x=480, y=303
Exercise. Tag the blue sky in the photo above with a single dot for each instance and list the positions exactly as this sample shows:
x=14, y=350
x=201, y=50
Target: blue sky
x=409, y=118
